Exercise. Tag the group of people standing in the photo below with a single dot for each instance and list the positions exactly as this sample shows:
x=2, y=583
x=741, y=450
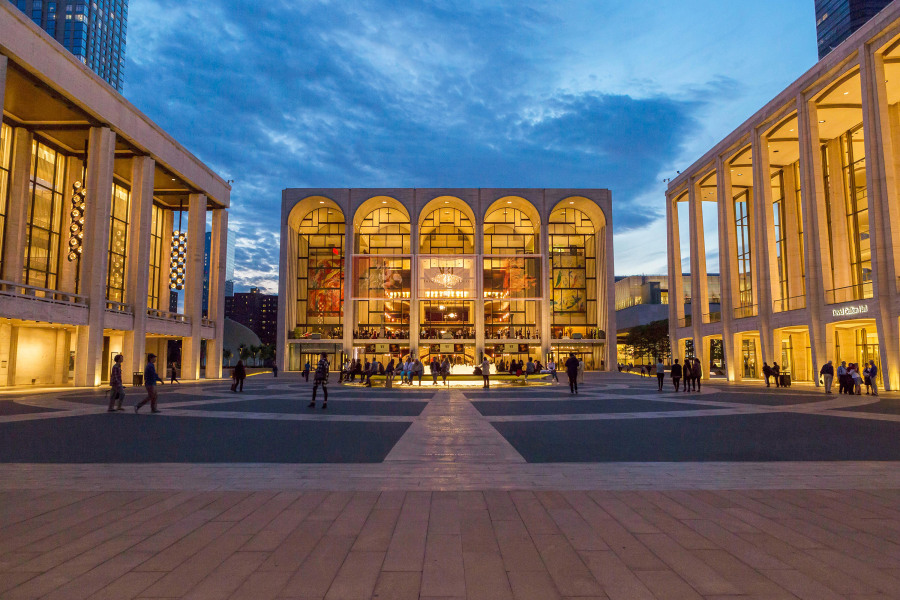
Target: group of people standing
x=688, y=375
x=772, y=372
x=850, y=380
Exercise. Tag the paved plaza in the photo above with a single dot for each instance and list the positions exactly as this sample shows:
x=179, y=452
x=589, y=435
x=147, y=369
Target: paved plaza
x=620, y=492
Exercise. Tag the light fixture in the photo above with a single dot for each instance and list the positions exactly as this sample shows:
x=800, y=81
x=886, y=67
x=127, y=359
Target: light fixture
x=177, y=266
x=822, y=121
x=76, y=228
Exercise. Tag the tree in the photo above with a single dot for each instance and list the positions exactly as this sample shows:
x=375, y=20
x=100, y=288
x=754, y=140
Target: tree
x=244, y=352
x=648, y=342
x=226, y=355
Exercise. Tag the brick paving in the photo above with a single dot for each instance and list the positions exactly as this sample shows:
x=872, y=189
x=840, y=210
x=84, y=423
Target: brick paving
x=452, y=509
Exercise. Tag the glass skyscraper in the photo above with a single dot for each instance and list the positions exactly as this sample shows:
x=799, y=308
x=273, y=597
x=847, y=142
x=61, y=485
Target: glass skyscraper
x=837, y=19
x=92, y=30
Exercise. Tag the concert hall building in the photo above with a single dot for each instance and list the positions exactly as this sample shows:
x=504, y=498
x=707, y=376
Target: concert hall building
x=460, y=273
x=807, y=225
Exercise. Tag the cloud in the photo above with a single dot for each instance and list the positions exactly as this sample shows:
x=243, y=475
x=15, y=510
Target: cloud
x=375, y=93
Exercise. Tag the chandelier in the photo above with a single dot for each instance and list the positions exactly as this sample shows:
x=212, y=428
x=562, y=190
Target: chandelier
x=447, y=278
x=177, y=266
x=76, y=228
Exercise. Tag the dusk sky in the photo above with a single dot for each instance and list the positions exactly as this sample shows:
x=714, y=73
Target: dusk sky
x=372, y=93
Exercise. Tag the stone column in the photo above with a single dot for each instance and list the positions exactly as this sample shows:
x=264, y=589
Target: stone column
x=137, y=277
x=13, y=351
x=7, y=351
x=478, y=270
x=882, y=199
x=287, y=279
x=349, y=318
x=609, y=291
x=17, y=206
x=414, y=218
x=193, y=288
x=676, y=285
x=815, y=231
x=218, y=250
x=98, y=189
x=764, y=235
x=61, y=360
x=699, y=283
x=728, y=278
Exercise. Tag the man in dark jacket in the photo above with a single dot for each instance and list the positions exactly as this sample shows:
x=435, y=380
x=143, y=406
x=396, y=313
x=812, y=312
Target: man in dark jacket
x=676, y=374
x=150, y=379
x=321, y=378
x=572, y=372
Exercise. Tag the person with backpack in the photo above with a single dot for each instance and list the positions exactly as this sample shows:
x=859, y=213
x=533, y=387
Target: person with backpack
x=320, y=379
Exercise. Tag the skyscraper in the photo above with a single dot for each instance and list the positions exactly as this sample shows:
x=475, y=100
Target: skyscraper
x=837, y=19
x=92, y=30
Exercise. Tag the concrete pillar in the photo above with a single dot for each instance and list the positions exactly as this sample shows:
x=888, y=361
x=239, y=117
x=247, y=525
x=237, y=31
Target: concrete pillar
x=728, y=278
x=765, y=266
x=882, y=199
x=193, y=288
x=138, y=261
x=478, y=270
x=6, y=352
x=287, y=289
x=699, y=283
x=546, y=280
x=607, y=280
x=13, y=350
x=218, y=249
x=14, y=240
x=674, y=256
x=61, y=362
x=349, y=317
x=98, y=187
x=415, y=219
x=815, y=231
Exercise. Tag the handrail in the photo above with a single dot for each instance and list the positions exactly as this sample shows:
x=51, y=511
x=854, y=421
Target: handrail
x=741, y=312
x=204, y=322
x=13, y=290
x=790, y=303
x=686, y=321
x=164, y=315
x=850, y=293
x=119, y=307
x=713, y=317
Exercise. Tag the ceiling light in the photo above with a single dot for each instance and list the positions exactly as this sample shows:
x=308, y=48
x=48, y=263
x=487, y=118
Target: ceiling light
x=822, y=121
x=321, y=202
x=845, y=93
x=571, y=202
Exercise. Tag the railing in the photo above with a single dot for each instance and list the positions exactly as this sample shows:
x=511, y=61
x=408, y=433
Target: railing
x=164, y=315
x=713, y=317
x=741, y=312
x=207, y=322
x=849, y=293
x=686, y=321
x=119, y=307
x=18, y=290
x=791, y=303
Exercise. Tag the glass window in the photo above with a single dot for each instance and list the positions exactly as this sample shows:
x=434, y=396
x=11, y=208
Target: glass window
x=742, y=226
x=5, y=162
x=573, y=274
x=157, y=221
x=508, y=230
x=118, y=243
x=383, y=231
x=853, y=153
x=320, y=273
x=447, y=230
x=44, y=216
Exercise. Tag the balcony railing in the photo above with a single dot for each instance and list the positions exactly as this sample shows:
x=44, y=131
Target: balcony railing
x=17, y=290
x=207, y=322
x=164, y=315
x=741, y=312
x=849, y=293
x=119, y=307
x=686, y=321
x=791, y=303
x=713, y=317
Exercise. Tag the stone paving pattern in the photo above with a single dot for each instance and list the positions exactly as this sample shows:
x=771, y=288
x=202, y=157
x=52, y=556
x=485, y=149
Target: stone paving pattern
x=732, y=493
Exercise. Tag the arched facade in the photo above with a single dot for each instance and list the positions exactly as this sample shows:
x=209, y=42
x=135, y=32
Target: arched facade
x=461, y=273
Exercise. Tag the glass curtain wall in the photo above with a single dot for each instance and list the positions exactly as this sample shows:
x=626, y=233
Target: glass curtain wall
x=384, y=276
x=320, y=274
x=573, y=274
x=743, y=228
x=511, y=276
x=118, y=243
x=5, y=161
x=44, y=218
x=853, y=153
x=157, y=222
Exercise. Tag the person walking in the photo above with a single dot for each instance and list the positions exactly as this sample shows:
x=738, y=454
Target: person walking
x=116, y=389
x=873, y=377
x=306, y=371
x=551, y=366
x=581, y=369
x=687, y=375
x=660, y=373
x=572, y=373
x=827, y=373
x=239, y=374
x=676, y=374
x=151, y=377
x=767, y=372
x=697, y=373
x=486, y=372
x=320, y=379
x=445, y=369
x=174, y=373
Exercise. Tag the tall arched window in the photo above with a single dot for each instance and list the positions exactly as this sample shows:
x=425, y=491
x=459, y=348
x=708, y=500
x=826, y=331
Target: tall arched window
x=573, y=273
x=320, y=273
x=385, y=230
x=447, y=230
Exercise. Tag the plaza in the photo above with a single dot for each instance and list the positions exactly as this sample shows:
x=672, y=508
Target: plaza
x=620, y=492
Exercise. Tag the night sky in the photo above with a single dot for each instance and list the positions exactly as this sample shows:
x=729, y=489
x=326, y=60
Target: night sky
x=370, y=93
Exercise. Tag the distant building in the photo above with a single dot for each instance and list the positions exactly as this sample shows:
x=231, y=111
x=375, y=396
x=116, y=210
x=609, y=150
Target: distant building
x=837, y=19
x=229, y=269
x=258, y=312
x=173, y=301
x=92, y=31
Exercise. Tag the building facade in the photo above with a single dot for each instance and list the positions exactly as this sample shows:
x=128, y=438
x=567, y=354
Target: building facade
x=92, y=30
x=460, y=273
x=808, y=236
x=90, y=192
x=258, y=312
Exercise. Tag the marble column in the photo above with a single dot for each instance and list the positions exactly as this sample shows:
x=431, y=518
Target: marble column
x=14, y=240
x=699, y=281
x=728, y=278
x=218, y=249
x=193, y=288
x=138, y=266
x=766, y=271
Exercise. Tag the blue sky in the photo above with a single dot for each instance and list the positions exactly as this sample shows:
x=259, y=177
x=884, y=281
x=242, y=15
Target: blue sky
x=378, y=93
